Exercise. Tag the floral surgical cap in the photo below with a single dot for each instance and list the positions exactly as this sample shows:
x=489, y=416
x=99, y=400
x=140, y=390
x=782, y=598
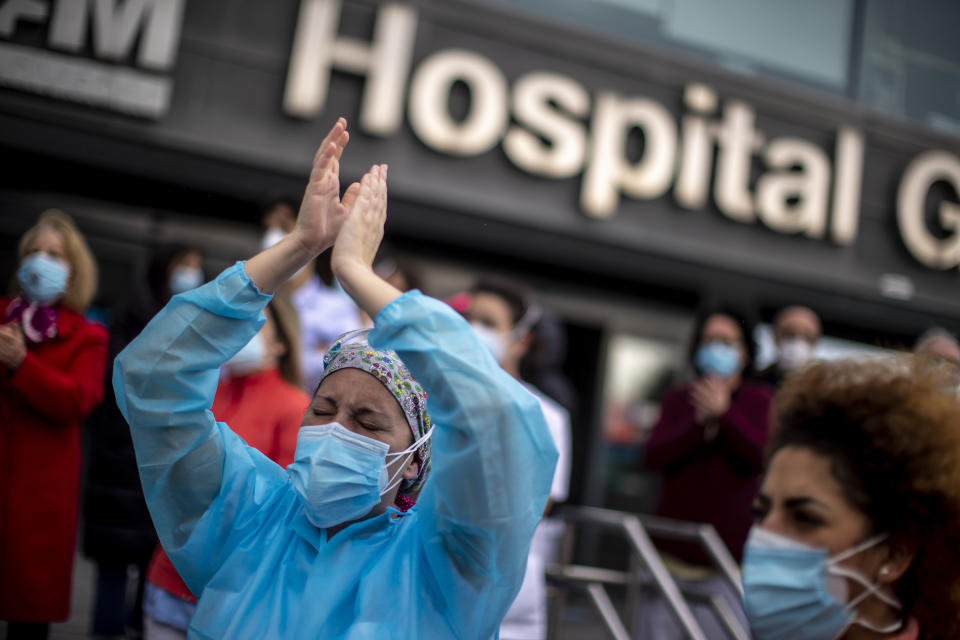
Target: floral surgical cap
x=353, y=351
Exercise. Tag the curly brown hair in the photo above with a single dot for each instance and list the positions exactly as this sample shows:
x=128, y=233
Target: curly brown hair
x=891, y=429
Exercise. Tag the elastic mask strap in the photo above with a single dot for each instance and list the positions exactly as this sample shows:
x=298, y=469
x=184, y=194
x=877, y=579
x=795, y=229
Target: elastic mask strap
x=871, y=589
x=397, y=476
x=860, y=548
x=896, y=626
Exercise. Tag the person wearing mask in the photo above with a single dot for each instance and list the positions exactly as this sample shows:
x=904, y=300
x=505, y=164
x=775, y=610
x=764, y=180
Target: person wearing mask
x=51, y=377
x=324, y=311
x=796, y=331
x=260, y=396
x=542, y=365
x=502, y=315
x=708, y=446
x=117, y=530
x=940, y=344
x=351, y=540
x=858, y=517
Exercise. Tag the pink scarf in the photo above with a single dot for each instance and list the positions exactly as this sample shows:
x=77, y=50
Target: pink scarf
x=37, y=322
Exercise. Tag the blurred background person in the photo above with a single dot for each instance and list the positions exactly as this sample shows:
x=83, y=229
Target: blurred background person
x=260, y=396
x=501, y=313
x=324, y=311
x=52, y=364
x=938, y=343
x=858, y=518
x=117, y=530
x=542, y=364
x=796, y=331
x=708, y=445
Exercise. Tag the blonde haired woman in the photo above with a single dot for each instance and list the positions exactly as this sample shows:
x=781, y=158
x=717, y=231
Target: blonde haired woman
x=51, y=376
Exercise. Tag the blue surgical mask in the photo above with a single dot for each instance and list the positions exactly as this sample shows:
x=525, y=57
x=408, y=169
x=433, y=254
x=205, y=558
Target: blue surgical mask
x=718, y=359
x=252, y=357
x=798, y=592
x=184, y=278
x=43, y=278
x=341, y=475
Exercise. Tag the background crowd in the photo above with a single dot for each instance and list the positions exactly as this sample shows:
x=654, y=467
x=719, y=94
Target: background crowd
x=711, y=444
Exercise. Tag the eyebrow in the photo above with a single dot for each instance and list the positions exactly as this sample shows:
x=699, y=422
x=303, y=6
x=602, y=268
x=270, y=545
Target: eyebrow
x=805, y=501
x=360, y=412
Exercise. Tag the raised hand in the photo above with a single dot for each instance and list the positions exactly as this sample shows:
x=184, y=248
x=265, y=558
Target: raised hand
x=359, y=239
x=321, y=215
x=321, y=210
x=362, y=231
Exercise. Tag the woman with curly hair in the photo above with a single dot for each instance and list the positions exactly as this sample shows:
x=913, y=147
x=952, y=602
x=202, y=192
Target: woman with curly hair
x=858, y=518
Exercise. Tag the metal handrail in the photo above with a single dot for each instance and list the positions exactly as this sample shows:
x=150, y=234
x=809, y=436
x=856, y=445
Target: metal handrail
x=635, y=528
x=703, y=533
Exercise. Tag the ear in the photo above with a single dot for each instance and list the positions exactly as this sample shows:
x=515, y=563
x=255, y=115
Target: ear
x=412, y=469
x=279, y=349
x=521, y=345
x=898, y=561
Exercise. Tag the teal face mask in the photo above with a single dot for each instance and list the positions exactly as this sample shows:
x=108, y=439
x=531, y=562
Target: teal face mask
x=718, y=358
x=341, y=475
x=797, y=592
x=42, y=278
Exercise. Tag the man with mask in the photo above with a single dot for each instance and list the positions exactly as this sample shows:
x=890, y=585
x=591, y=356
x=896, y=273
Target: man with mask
x=796, y=331
x=502, y=315
x=938, y=343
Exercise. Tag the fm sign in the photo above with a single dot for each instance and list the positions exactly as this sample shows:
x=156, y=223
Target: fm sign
x=803, y=190
x=133, y=47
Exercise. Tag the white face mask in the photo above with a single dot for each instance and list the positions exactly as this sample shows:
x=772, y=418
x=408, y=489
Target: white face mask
x=794, y=352
x=184, y=278
x=492, y=340
x=250, y=358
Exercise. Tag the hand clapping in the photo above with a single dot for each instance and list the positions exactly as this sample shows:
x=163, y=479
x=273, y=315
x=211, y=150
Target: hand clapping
x=710, y=396
x=362, y=231
x=13, y=348
x=322, y=212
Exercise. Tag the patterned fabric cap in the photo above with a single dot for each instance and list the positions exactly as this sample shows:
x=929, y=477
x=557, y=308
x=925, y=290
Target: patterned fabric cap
x=353, y=351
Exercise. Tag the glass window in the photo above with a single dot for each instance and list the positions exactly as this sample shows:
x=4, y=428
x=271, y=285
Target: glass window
x=911, y=61
x=807, y=42
x=638, y=371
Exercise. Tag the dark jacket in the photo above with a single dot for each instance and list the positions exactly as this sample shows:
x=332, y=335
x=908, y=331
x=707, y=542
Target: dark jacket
x=117, y=528
x=711, y=480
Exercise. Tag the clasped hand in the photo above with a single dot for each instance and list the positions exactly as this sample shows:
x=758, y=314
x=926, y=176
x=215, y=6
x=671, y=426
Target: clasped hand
x=710, y=397
x=353, y=224
x=13, y=348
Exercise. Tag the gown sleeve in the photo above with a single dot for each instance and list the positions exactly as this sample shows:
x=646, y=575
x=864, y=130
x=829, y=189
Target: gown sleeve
x=203, y=485
x=493, y=461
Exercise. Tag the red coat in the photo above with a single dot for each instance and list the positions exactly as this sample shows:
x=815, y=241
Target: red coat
x=263, y=409
x=41, y=407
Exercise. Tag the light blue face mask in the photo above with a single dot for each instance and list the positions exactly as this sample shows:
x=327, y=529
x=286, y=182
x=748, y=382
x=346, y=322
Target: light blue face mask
x=797, y=592
x=341, y=475
x=42, y=278
x=718, y=359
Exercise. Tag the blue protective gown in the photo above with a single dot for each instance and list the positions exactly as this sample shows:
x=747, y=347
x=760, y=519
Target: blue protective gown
x=234, y=526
